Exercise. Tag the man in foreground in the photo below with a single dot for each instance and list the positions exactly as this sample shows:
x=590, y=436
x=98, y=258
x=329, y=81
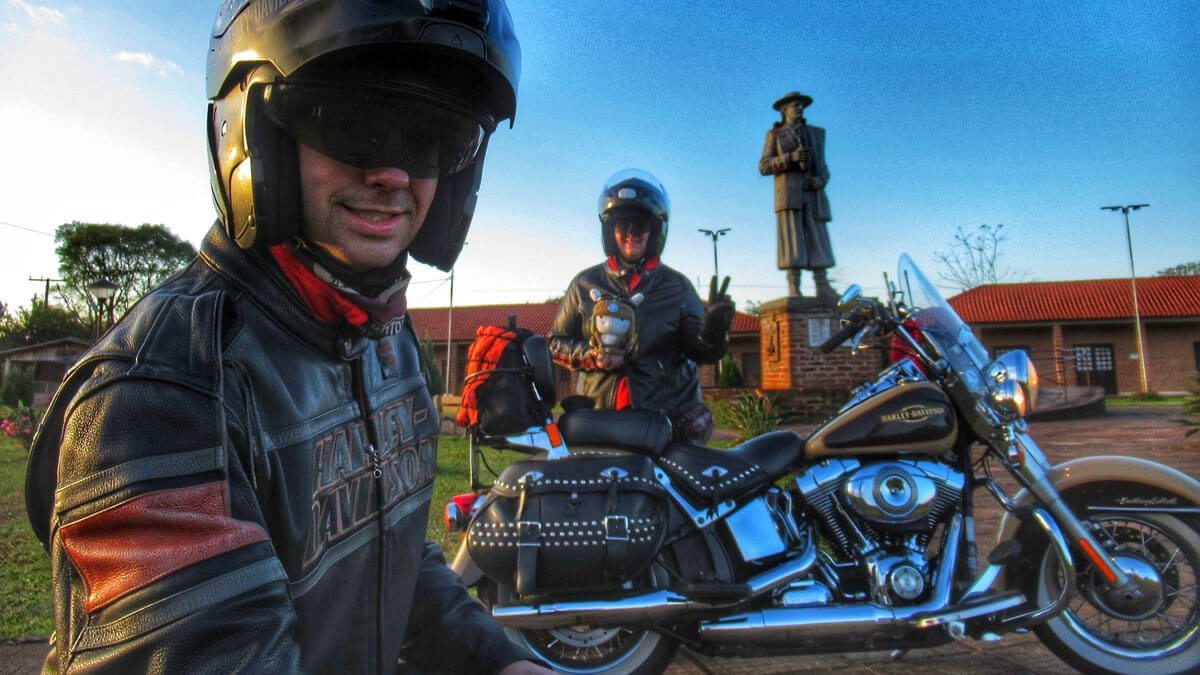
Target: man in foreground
x=237, y=477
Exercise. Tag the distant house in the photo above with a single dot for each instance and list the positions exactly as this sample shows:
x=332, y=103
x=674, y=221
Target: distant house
x=49, y=362
x=456, y=329
x=1082, y=332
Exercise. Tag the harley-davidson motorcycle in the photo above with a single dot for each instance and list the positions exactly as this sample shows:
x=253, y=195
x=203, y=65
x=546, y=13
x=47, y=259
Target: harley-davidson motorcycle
x=613, y=544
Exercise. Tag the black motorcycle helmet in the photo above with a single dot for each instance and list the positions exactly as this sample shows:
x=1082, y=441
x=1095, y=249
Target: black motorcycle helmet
x=419, y=84
x=634, y=190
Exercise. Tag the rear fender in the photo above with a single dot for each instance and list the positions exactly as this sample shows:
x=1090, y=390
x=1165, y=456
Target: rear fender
x=464, y=566
x=1116, y=483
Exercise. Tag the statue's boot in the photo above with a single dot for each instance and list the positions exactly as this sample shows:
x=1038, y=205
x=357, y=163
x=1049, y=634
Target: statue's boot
x=825, y=292
x=793, y=277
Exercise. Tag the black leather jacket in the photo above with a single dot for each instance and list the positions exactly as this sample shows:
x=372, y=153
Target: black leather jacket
x=241, y=488
x=662, y=366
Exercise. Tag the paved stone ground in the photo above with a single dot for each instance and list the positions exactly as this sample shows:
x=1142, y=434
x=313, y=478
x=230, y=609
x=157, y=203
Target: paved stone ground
x=1142, y=431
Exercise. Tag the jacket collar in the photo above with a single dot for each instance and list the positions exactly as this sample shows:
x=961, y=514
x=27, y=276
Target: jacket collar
x=260, y=281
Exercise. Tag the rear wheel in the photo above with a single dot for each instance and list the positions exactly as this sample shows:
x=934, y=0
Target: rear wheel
x=617, y=649
x=1158, y=630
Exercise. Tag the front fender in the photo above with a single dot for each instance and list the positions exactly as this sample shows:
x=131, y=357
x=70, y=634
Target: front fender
x=1130, y=483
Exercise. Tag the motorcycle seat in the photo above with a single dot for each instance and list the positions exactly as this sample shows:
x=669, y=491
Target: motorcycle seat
x=644, y=431
x=710, y=475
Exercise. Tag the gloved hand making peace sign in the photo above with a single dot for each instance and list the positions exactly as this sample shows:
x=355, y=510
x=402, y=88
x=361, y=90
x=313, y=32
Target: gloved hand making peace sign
x=718, y=315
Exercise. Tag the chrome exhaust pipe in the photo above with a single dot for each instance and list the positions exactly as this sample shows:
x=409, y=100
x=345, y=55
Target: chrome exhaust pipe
x=653, y=606
x=657, y=605
x=848, y=622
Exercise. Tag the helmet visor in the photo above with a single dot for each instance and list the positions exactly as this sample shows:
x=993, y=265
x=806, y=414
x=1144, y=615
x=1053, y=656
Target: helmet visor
x=369, y=127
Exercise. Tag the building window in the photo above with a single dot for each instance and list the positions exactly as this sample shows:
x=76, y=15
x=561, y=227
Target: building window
x=1095, y=367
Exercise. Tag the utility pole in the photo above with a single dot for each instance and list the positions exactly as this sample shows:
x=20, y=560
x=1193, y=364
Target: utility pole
x=715, y=234
x=449, y=334
x=1137, y=319
x=46, y=293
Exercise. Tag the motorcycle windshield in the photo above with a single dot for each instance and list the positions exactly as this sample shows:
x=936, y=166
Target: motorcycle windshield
x=950, y=337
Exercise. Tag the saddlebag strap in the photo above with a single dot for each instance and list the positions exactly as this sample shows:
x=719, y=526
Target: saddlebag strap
x=616, y=534
x=529, y=539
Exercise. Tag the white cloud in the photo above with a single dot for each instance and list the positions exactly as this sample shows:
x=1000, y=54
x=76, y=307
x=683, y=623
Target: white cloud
x=38, y=13
x=165, y=68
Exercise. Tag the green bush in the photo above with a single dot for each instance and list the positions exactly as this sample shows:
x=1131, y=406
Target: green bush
x=728, y=373
x=431, y=369
x=752, y=413
x=1191, y=411
x=17, y=387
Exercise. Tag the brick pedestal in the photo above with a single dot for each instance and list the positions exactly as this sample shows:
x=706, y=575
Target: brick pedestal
x=806, y=382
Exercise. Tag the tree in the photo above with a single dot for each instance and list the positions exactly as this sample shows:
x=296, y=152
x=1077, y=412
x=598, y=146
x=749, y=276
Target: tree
x=136, y=259
x=973, y=258
x=41, y=323
x=728, y=373
x=434, y=379
x=1188, y=269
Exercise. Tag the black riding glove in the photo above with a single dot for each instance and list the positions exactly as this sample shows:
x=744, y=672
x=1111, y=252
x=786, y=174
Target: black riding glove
x=718, y=315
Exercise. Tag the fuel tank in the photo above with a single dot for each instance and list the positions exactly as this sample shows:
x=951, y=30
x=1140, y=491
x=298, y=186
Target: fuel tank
x=906, y=417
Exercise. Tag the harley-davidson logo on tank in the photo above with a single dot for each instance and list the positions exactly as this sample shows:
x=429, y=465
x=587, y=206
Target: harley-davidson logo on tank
x=910, y=417
x=913, y=414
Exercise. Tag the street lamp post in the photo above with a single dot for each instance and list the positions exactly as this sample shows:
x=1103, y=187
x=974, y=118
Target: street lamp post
x=715, y=234
x=1137, y=318
x=103, y=290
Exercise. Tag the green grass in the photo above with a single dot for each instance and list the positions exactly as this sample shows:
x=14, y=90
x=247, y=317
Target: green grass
x=24, y=565
x=1153, y=400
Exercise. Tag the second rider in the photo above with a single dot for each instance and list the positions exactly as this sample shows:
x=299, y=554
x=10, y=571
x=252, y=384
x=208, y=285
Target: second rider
x=673, y=331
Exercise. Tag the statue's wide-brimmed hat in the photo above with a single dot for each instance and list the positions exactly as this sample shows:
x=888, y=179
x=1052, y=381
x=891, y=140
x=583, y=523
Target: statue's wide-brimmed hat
x=804, y=99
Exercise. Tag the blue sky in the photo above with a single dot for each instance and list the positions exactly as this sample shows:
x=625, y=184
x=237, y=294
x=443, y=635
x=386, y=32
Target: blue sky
x=938, y=115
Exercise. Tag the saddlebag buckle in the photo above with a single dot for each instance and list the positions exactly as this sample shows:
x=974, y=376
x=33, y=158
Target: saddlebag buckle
x=529, y=533
x=616, y=528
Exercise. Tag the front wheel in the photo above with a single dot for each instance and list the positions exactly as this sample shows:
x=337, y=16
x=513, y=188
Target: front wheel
x=1102, y=631
x=617, y=650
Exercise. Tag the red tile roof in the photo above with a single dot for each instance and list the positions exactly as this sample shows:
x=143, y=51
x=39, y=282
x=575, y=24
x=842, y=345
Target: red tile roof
x=431, y=322
x=1098, y=299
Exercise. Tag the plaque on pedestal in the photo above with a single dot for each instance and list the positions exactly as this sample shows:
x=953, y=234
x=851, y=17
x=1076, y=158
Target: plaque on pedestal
x=805, y=381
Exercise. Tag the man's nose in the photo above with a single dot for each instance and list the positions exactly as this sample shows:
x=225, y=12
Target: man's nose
x=387, y=178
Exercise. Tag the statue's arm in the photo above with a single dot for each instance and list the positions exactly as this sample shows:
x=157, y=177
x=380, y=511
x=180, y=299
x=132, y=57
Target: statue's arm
x=770, y=164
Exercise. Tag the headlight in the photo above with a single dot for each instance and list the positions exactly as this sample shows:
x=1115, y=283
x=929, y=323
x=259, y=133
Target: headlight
x=1014, y=383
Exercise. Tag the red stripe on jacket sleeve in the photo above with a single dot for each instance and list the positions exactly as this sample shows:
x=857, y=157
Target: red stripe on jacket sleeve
x=127, y=546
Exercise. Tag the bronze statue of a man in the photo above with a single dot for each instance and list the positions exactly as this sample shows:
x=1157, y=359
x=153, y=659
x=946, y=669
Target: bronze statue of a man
x=795, y=154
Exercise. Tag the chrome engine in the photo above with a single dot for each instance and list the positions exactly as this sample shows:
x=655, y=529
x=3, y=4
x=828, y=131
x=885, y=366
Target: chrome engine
x=880, y=517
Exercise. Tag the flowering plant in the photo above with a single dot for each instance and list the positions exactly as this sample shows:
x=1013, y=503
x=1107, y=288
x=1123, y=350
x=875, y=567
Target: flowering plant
x=754, y=413
x=21, y=423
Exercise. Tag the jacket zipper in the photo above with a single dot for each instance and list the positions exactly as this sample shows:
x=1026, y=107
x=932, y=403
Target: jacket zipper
x=358, y=378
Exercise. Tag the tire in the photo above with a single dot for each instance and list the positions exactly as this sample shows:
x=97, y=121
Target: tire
x=1160, y=633
x=614, y=650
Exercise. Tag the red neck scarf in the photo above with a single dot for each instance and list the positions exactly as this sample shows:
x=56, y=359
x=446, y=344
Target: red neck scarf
x=328, y=304
x=634, y=273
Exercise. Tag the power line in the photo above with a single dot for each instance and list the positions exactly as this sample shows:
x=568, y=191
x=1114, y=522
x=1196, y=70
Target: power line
x=27, y=229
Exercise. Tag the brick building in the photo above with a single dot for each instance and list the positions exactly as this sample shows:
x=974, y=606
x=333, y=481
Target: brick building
x=457, y=330
x=1082, y=332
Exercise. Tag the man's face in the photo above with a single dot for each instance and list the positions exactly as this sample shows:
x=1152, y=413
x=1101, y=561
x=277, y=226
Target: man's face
x=632, y=235
x=793, y=110
x=364, y=218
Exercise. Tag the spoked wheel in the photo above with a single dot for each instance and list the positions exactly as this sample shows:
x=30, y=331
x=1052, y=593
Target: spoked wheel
x=1156, y=630
x=618, y=649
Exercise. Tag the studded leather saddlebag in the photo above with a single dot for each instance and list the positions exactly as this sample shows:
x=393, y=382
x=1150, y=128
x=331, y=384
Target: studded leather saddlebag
x=578, y=523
